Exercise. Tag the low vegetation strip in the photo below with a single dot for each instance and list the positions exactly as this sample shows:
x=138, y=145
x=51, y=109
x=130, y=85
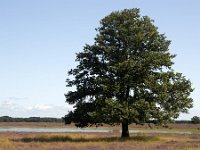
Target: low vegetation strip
x=44, y=138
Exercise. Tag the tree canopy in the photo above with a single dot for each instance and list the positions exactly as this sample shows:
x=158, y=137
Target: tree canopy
x=126, y=76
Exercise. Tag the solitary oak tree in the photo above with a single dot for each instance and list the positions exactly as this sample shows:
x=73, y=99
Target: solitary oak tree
x=126, y=76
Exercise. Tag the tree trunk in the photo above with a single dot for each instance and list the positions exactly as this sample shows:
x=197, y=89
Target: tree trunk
x=125, y=131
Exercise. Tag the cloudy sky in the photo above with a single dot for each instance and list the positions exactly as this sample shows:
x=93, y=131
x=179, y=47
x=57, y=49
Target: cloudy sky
x=39, y=39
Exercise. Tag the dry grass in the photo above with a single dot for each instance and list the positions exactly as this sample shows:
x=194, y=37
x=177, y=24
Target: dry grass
x=132, y=126
x=96, y=141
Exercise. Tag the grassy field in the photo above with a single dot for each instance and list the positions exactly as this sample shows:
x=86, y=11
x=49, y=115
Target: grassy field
x=175, y=127
x=98, y=141
x=62, y=125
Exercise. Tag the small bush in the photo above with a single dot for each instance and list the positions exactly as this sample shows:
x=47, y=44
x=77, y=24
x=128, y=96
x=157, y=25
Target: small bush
x=195, y=120
x=47, y=139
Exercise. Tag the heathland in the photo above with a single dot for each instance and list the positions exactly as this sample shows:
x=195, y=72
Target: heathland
x=102, y=141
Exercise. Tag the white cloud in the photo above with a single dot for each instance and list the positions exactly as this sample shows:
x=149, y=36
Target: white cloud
x=8, y=104
x=17, y=98
x=13, y=109
x=40, y=107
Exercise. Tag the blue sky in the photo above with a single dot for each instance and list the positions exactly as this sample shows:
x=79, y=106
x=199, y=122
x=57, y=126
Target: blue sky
x=39, y=39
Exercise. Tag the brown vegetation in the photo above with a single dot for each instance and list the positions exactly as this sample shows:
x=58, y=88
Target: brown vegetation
x=132, y=126
x=98, y=141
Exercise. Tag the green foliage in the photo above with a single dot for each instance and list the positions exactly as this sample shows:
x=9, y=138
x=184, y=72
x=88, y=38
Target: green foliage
x=195, y=120
x=127, y=75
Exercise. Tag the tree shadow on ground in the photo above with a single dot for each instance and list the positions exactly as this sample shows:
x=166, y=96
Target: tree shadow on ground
x=69, y=139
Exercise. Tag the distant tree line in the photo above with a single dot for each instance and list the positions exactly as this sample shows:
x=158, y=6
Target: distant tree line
x=183, y=122
x=30, y=119
x=194, y=120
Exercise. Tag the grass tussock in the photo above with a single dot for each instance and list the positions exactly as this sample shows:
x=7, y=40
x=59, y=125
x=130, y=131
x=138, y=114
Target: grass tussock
x=102, y=139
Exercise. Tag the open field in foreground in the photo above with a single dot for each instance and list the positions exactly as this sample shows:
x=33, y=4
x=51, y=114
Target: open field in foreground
x=97, y=141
